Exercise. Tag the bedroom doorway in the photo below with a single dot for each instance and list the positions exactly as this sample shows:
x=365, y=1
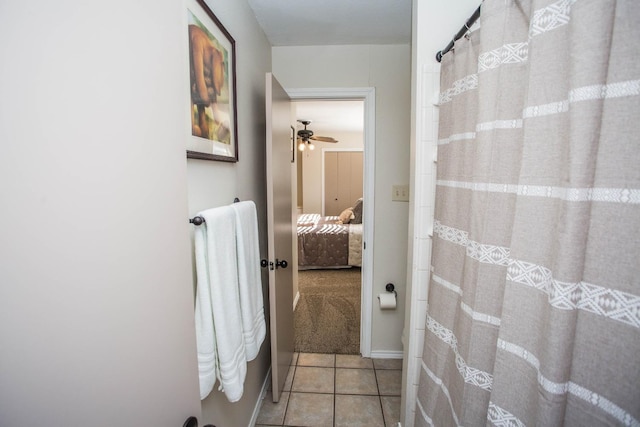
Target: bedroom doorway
x=355, y=300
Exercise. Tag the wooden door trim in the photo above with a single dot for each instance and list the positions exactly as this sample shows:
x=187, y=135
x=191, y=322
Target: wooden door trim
x=368, y=95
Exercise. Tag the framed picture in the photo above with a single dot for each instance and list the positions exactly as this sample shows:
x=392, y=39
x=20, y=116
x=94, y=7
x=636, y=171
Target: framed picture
x=212, y=87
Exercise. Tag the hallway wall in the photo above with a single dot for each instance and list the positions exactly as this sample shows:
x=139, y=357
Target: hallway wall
x=96, y=282
x=213, y=184
x=387, y=68
x=96, y=305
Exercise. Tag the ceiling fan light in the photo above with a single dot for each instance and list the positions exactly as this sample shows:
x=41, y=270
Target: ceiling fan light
x=311, y=146
x=301, y=146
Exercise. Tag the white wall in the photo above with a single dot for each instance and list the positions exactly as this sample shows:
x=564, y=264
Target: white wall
x=96, y=280
x=434, y=23
x=213, y=184
x=387, y=68
x=96, y=302
x=312, y=173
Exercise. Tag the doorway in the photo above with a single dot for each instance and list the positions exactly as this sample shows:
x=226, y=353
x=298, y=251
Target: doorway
x=367, y=97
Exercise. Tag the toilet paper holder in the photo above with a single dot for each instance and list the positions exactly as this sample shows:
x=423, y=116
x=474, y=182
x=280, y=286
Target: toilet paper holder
x=391, y=288
x=388, y=302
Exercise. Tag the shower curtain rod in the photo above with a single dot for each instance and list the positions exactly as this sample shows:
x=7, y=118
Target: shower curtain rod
x=198, y=220
x=460, y=33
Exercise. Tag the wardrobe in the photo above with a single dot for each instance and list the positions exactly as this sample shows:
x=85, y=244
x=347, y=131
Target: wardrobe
x=343, y=180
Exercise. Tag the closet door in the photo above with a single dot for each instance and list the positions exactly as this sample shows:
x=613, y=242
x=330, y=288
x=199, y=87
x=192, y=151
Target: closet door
x=343, y=180
x=356, y=176
x=331, y=204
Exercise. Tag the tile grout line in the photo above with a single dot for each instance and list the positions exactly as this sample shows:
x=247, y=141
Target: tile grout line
x=293, y=377
x=334, y=393
x=335, y=387
x=375, y=373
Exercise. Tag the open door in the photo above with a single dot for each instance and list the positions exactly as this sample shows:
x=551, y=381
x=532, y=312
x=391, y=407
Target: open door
x=280, y=231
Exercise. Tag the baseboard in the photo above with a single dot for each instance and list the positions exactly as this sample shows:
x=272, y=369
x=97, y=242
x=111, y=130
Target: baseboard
x=263, y=393
x=378, y=354
x=295, y=300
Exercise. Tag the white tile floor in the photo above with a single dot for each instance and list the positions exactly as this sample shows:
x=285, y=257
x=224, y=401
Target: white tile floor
x=337, y=390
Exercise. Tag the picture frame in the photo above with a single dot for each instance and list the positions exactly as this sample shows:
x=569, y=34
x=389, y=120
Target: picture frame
x=213, y=133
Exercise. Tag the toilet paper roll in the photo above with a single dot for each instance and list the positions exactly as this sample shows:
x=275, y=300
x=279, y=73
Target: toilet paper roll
x=387, y=300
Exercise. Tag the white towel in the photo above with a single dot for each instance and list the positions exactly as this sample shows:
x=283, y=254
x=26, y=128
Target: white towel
x=218, y=300
x=250, y=277
x=205, y=340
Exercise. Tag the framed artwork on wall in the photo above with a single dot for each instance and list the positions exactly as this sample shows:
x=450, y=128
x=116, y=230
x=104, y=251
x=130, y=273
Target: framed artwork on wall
x=212, y=87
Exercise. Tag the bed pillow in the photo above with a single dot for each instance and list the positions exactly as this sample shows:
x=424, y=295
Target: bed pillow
x=357, y=212
x=346, y=216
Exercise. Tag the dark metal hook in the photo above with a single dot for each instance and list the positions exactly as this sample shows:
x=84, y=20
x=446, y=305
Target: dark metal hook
x=198, y=220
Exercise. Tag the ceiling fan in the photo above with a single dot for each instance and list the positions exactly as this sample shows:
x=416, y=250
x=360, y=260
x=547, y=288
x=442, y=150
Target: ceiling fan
x=306, y=137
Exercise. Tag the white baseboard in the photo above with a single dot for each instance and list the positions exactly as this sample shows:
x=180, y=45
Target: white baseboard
x=295, y=300
x=378, y=354
x=263, y=393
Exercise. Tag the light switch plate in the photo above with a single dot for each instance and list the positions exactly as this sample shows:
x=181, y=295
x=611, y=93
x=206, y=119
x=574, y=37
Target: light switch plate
x=400, y=193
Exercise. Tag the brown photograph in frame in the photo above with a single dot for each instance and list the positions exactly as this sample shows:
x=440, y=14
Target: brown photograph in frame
x=213, y=133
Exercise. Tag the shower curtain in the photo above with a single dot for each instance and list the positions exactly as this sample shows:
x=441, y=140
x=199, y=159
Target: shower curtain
x=533, y=313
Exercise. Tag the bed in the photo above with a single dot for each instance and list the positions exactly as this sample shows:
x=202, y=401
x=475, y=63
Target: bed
x=325, y=242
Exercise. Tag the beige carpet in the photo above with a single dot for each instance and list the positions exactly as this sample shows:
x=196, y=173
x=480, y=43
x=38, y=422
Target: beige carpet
x=327, y=317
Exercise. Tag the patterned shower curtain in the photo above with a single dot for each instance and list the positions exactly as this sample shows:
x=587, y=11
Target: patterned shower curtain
x=533, y=313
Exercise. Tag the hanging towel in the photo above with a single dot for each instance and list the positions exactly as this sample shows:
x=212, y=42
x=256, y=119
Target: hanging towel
x=218, y=317
x=250, y=277
x=205, y=340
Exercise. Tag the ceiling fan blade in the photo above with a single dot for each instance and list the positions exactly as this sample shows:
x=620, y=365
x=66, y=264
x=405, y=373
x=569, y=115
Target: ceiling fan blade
x=323, y=138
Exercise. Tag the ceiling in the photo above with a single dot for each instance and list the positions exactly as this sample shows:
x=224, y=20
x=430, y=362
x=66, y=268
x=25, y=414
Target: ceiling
x=331, y=116
x=334, y=22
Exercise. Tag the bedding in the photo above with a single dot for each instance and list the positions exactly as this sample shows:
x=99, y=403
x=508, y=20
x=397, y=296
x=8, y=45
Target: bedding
x=357, y=212
x=306, y=220
x=355, y=244
x=324, y=242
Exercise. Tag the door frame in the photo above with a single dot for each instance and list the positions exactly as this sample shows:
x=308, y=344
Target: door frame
x=368, y=95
